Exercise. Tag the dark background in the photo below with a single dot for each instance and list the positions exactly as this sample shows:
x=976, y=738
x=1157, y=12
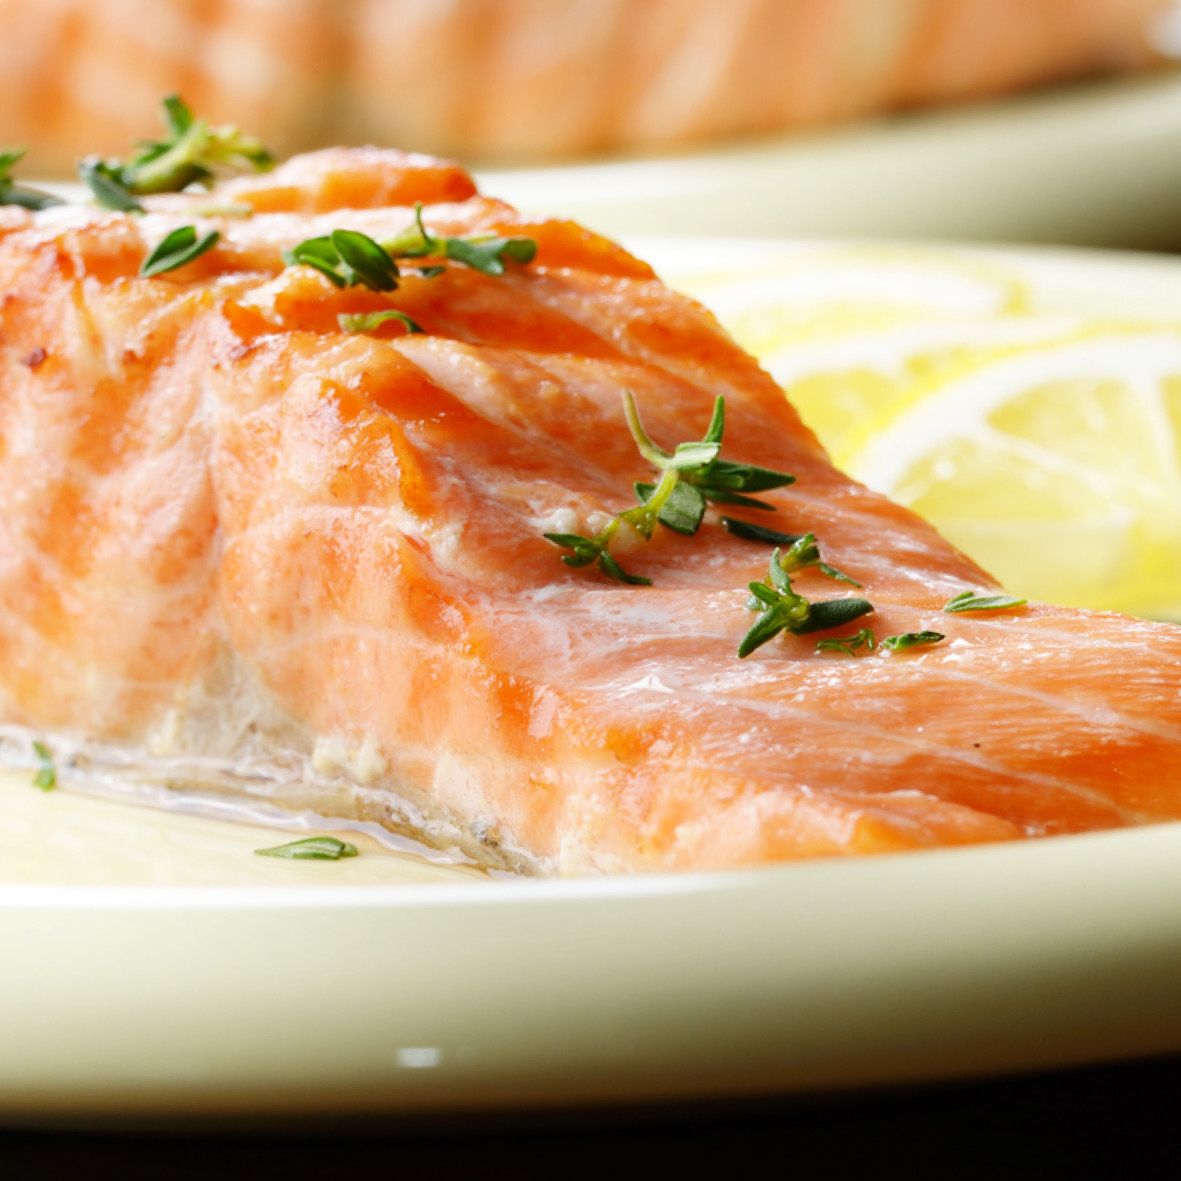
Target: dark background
x=1099, y=1121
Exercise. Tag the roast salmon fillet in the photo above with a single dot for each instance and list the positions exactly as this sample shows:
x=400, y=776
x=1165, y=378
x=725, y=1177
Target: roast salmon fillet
x=244, y=551
x=518, y=80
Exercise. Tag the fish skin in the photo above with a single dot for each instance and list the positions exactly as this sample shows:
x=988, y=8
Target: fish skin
x=244, y=551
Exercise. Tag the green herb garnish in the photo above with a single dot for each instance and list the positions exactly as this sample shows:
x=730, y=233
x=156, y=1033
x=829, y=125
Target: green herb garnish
x=347, y=258
x=805, y=553
x=690, y=476
x=584, y=551
x=781, y=608
x=312, y=849
x=368, y=321
x=193, y=152
x=698, y=466
x=849, y=645
x=46, y=775
x=486, y=253
x=751, y=532
x=13, y=194
x=803, y=549
x=971, y=600
x=830, y=613
x=905, y=640
x=176, y=249
x=864, y=639
x=363, y=260
x=107, y=186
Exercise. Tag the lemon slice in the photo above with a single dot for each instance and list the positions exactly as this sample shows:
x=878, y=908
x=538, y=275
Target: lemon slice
x=824, y=292
x=846, y=385
x=847, y=330
x=1056, y=465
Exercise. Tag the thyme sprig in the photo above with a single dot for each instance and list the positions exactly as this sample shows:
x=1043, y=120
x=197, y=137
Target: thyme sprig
x=781, y=608
x=12, y=193
x=690, y=476
x=486, y=253
x=193, y=152
x=803, y=548
x=348, y=258
x=700, y=470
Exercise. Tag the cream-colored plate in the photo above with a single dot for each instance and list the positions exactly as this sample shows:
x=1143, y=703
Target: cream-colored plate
x=1096, y=163
x=150, y=964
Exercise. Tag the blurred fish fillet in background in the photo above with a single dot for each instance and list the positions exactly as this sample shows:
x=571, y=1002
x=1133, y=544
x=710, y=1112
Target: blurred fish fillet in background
x=530, y=80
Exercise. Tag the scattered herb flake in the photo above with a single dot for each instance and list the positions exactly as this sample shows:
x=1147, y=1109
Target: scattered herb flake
x=905, y=640
x=311, y=849
x=849, y=645
x=46, y=774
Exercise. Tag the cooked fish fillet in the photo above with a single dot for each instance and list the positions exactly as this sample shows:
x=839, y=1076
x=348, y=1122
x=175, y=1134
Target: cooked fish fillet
x=244, y=551
x=528, y=79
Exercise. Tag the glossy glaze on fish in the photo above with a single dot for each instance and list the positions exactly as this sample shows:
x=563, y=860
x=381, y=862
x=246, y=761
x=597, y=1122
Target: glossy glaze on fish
x=244, y=551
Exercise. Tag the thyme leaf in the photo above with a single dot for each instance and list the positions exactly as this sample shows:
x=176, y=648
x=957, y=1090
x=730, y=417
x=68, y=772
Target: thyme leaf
x=585, y=551
x=864, y=639
x=805, y=552
x=365, y=261
x=751, y=532
x=177, y=248
x=849, y=645
x=368, y=321
x=682, y=512
x=971, y=600
x=311, y=849
x=829, y=613
x=905, y=640
x=13, y=194
x=803, y=549
x=347, y=258
x=107, y=185
x=46, y=775
x=320, y=254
